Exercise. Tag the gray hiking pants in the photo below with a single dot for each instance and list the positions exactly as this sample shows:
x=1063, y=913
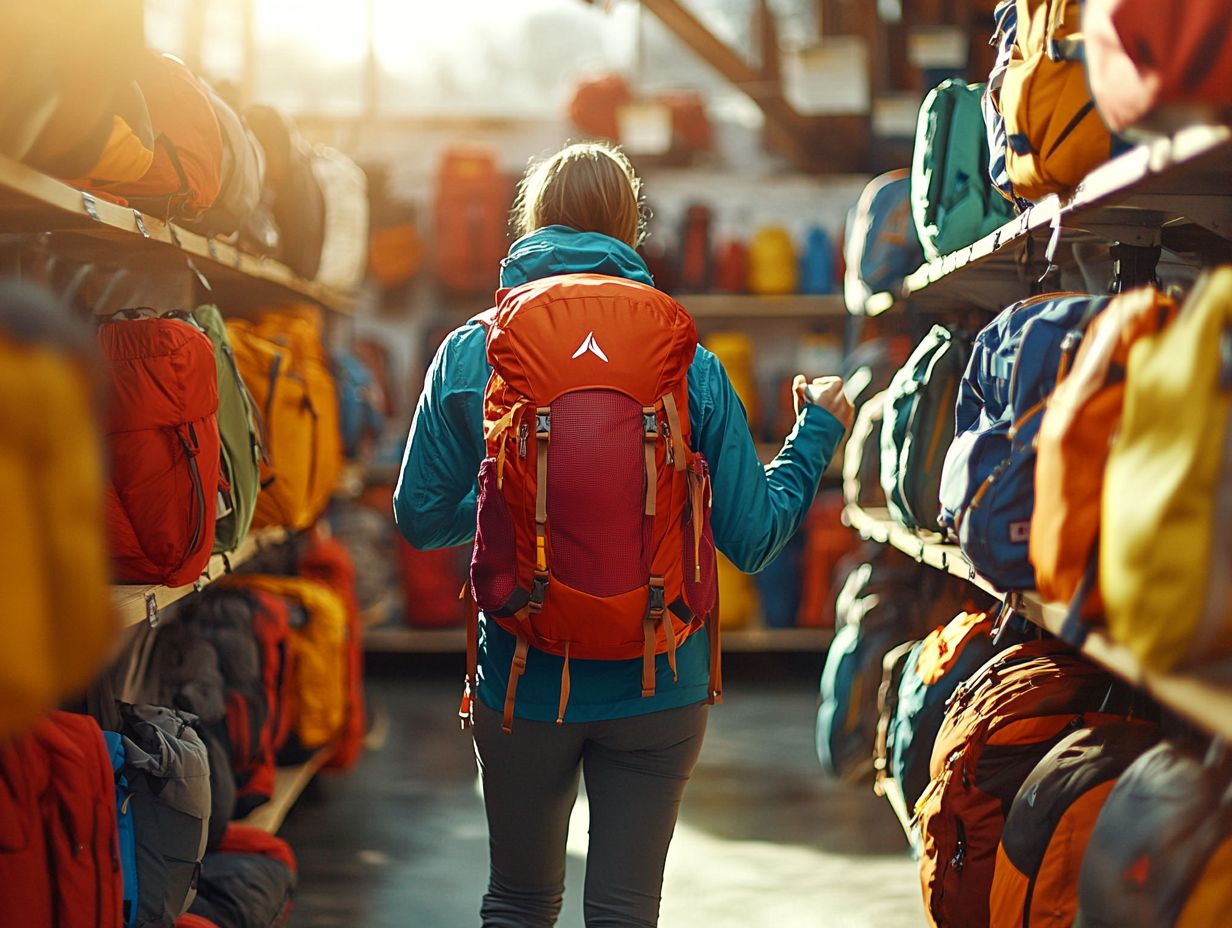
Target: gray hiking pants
x=636, y=770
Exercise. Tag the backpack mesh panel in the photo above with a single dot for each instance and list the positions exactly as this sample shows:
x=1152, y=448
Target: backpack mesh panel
x=597, y=493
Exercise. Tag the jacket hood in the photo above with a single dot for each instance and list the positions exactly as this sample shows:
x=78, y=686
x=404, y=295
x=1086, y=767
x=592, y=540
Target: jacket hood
x=555, y=250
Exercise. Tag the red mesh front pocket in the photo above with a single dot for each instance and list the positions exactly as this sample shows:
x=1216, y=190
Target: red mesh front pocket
x=701, y=588
x=597, y=492
x=494, y=559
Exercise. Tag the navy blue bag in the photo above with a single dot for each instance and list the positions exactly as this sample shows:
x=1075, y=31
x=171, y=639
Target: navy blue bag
x=882, y=245
x=987, y=407
x=995, y=531
x=358, y=414
x=1005, y=34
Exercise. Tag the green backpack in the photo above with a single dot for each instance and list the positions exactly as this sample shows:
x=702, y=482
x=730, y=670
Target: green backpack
x=918, y=426
x=952, y=200
x=239, y=429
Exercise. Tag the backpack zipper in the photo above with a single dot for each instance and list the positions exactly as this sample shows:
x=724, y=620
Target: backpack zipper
x=198, y=489
x=523, y=438
x=274, y=373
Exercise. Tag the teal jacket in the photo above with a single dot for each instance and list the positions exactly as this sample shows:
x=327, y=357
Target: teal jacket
x=757, y=508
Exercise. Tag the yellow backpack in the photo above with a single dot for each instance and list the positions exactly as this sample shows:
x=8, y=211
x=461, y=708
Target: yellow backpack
x=319, y=655
x=284, y=366
x=773, y=268
x=1054, y=136
x=54, y=569
x=1166, y=548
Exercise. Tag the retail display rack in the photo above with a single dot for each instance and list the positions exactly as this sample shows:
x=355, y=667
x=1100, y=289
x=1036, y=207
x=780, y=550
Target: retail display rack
x=1174, y=190
x=85, y=227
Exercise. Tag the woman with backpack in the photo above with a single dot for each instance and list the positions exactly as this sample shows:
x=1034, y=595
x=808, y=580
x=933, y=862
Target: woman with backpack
x=613, y=457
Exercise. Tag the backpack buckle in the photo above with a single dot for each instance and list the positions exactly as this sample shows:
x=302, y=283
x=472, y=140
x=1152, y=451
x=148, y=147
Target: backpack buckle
x=538, y=591
x=650, y=426
x=656, y=604
x=543, y=423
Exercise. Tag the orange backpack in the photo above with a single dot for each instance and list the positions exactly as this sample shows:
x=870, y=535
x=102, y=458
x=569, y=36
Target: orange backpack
x=999, y=725
x=1075, y=438
x=1050, y=823
x=283, y=364
x=593, y=535
x=185, y=177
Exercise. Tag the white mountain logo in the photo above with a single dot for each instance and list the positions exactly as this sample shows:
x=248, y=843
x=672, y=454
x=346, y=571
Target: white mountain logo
x=589, y=344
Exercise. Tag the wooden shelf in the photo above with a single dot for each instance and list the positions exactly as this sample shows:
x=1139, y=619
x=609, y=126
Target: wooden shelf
x=92, y=229
x=1160, y=187
x=1203, y=695
x=741, y=307
x=289, y=783
x=136, y=603
x=736, y=640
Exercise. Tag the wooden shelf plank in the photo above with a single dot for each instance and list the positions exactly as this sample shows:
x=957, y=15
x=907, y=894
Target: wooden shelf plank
x=741, y=307
x=1147, y=187
x=35, y=203
x=135, y=603
x=737, y=640
x=289, y=783
x=1202, y=695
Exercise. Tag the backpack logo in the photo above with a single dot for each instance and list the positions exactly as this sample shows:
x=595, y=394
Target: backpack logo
x=589, y=344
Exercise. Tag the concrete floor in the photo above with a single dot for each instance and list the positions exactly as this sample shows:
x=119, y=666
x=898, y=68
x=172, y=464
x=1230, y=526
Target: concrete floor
x=763, y=842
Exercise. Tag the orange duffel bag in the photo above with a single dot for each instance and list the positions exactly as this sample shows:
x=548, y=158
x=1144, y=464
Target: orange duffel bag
x=1074, y=441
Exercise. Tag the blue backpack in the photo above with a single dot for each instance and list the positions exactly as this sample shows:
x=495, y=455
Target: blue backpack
x=988, y=486
x=357, y=411
x=1004, y=36
x=882, y=244
x=817, y=262
x=128, y=832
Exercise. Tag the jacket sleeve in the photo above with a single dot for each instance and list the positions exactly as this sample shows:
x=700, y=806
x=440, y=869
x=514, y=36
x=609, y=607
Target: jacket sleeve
x=436, y=496
x=757, y=509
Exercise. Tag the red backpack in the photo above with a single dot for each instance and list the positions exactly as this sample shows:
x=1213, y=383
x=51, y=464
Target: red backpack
x=271, y=624
x=59, y=845
x=472, y=209
x=162, y=434
x=593, y=536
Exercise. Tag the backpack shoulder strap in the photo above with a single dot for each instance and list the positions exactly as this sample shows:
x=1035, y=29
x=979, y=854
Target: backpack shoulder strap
x=487, y=318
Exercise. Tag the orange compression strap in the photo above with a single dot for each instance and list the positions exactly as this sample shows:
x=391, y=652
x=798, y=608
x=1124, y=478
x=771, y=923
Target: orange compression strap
x=679, y=452
x=650, y=428
x=516, y=669
x=564, y=688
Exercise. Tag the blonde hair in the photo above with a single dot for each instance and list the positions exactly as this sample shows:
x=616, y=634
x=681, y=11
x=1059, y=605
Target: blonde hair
x=588, y=186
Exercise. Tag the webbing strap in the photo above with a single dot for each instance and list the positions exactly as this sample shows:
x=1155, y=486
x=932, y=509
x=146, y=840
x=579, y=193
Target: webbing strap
x=679, y=452
x=716, y=661
x=655, y=611
x=543, y=427
x=564, y=688
x=671, y=647
x=466, y=714
x=648, y=656
x=516, y=669
x=650, y=428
